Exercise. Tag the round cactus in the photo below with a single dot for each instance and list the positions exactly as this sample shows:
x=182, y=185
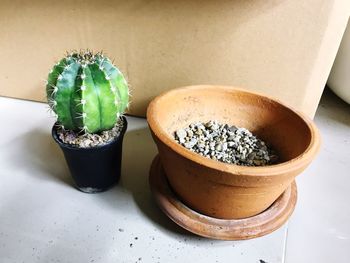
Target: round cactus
x=87, y=92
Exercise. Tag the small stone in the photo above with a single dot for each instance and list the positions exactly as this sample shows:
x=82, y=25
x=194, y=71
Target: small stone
x=181, y=133
x=251, y=156
x=201, y=145
x=190, y=144
x=87, y=143
x=189, y=133
x=218, y=147
x=229, y=144
x=232, y=129
x=201, y=127
x=257, y=162
x=198, y=132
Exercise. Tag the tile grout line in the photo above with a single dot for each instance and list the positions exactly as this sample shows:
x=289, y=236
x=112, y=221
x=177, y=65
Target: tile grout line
x=285, y=244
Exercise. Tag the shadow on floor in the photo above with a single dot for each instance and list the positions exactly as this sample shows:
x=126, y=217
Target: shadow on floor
x=44, y=155
x=139, y=151
x=340, y=109
x=43, y=158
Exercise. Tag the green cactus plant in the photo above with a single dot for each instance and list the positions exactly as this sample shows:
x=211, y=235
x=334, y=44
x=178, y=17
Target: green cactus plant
x=87, y=92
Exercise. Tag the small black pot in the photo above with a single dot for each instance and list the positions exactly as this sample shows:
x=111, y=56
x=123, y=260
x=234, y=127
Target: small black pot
x=94, y=169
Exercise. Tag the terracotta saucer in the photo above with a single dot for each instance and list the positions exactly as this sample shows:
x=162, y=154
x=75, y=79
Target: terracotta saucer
x=232, y=229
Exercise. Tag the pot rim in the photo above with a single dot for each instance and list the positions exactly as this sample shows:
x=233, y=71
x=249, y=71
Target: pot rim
x=68, y=146
x=270, y=170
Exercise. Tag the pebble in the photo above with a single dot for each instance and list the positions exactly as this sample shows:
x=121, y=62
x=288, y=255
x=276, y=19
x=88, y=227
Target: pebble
x=225, y=143
x=181, y=134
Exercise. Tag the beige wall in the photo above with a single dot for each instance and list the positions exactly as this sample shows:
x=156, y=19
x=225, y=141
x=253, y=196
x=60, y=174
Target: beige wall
x=282, y=48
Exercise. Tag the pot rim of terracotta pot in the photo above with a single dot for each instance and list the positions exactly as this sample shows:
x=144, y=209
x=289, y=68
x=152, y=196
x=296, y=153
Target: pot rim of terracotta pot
x=269, y=170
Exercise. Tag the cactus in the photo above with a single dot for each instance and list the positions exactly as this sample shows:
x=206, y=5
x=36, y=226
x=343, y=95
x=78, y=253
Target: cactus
x=87, y=92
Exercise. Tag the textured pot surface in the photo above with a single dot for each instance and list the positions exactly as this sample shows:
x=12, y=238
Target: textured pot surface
x=225, y=190
x=94, y=169
x=227, y=229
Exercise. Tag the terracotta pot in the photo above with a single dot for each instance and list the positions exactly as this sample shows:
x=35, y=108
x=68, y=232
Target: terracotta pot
x=224, y=190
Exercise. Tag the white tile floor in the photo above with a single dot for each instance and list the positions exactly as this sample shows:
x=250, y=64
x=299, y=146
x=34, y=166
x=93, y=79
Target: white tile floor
x=44, y=219
x=319, y=230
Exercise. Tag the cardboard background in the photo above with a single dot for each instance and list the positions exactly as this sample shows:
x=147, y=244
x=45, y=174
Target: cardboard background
x=282, y=48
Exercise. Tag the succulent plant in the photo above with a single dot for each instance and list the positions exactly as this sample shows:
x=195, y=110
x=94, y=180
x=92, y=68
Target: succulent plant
x=87, y=92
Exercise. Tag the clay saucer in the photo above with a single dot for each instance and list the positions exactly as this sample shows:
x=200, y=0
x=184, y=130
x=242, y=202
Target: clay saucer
x=226, y=229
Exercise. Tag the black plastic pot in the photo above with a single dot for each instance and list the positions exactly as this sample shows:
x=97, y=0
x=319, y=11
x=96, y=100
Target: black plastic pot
x=94, y=169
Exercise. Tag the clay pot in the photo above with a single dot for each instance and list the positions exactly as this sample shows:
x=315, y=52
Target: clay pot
x=224, y=190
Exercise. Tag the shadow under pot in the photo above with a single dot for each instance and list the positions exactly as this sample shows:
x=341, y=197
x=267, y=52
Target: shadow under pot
x=94, y=169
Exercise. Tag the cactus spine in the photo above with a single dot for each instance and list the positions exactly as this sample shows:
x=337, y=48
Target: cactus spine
x=87, y=92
